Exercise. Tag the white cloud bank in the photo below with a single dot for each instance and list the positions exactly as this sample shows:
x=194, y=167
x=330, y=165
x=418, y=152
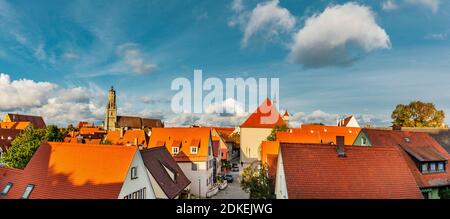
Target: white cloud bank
x=56, y=104
x=339, y=35
x=431, y=4
x=390, y=5
x=267, y=19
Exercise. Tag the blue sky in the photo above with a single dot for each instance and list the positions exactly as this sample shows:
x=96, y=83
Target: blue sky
x=59, y=58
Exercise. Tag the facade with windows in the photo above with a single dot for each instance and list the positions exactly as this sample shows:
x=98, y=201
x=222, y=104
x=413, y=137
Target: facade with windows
x=426, y=158
x=192, y=149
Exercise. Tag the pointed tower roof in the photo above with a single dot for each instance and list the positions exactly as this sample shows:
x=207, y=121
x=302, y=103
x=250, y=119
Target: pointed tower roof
x=286, y=113
x=262, y=118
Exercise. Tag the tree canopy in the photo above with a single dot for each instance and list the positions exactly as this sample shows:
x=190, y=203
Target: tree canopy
x=278, y=128
x=255, y=181
x=418, y=114
x=26, y=143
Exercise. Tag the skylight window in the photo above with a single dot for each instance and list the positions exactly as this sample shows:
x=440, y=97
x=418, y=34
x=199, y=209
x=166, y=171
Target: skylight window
x=26, y=194
x=6, y=189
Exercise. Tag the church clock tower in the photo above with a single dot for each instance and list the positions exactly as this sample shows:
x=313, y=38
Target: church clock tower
x=111, y=111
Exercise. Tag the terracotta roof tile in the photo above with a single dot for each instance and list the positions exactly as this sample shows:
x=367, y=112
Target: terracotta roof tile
x=265, y=116
x=315, y=171
x=319, y=134
x=419, y=146
x=185, y=136
x=129, y=137
x=73, y=171
x=37, y=121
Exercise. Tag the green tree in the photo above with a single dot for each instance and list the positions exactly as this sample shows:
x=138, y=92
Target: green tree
x=273, y=134
x=255, y=181
x=444, y=193
x=23, y=147
x=53, y=133
x=418, y=114
x=25, y=144
x=106, y=142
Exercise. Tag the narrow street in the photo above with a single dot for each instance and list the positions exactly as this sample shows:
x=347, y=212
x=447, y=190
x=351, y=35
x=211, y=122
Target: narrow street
x=233, y=191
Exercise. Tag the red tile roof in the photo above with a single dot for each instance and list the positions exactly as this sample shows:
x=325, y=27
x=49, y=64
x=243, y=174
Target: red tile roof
x=318, y=134
x=73, y=171
x=37, y=121
x=129, y=137
x=265, y=116
x=315, y=171
x=183, y=137
x=421, y=147
x=156, y=160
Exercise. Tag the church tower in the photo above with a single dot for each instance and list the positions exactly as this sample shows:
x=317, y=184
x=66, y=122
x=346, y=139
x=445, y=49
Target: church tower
x=111, y=111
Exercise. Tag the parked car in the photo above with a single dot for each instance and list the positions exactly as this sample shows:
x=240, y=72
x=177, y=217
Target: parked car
x=235, y=167
x=229, y=178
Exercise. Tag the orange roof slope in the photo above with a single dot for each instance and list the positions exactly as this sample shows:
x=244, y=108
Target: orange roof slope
x=265, y=116
x=184, y=137
x=90, y=130
x=129, y=137
x=421, y=146
x=15, y=125
x=319, y=134
x=269, y=156
x=315, y=171
x=73, y=171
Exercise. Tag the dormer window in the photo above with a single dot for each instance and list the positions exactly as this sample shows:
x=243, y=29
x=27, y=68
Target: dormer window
x=425, y=168
x=433, y=167
x=175, y=150
x=194, y=150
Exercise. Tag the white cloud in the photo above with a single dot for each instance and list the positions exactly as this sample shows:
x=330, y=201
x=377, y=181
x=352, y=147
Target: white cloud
x=228, y=106
x=320, y=116
x=339, y=35
x=23, y=93
x=267, y=19
x=436, y=36
x=431, y=4
x=133, y=57
x=389, y=5
x=237, y=5
x=71, y=55
x=233, y=114
x=58, y=105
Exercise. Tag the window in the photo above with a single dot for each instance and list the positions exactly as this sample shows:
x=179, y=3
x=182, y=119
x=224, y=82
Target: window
x=6, y=189
x=134, y=173
x=27, y=191
x=425, y=168
x=363, y=141
x=194, y=166
x=140, y=194
x=432, y=167
x=441, y=167
x=194, y=150
x=175, y=150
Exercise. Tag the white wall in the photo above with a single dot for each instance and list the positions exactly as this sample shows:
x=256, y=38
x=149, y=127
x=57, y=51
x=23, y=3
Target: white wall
x=201, y=173
x=251, y=139
x=143, y=180
x=280, y=180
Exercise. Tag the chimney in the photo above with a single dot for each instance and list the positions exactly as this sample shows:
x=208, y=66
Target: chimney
x=340, y=146
x=396, y=128
x=135, y=141
x=121, y=132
